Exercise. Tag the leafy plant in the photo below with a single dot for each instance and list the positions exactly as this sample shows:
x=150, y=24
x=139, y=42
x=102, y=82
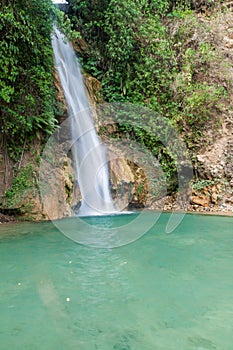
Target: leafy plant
x=27, y=94
x=199, y=185
x=22, y=183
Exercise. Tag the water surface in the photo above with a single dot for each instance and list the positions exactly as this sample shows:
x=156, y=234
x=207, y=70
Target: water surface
x=162, y=292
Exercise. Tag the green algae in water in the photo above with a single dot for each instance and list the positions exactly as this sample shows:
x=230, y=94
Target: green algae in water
x=162, y=292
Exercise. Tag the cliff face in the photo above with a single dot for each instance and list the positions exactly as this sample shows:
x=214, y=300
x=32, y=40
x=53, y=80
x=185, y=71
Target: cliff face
x=204, y=44
x=213, y=163
x=212, y=156
x=46, y=190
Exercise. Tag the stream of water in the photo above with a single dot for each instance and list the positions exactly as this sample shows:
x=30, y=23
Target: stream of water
x=89, y=153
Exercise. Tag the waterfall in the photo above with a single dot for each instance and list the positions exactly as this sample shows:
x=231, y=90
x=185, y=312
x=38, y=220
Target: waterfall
x=89, y=155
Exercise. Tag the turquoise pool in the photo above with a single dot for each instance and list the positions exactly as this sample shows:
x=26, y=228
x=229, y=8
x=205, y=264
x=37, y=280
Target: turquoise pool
x=161, y=292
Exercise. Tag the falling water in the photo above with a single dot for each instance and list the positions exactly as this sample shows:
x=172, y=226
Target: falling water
x=89, y=154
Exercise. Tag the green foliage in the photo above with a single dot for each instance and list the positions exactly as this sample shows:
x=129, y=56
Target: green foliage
x=199, y=185
x=197, y=93
x=199, y=102
x=22, y=183
x=27, y=96
x=63, y=22
x=127, y=48
x=154, y=54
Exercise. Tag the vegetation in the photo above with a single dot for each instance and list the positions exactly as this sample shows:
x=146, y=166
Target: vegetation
x=153, y=54
x=199, y=94
x=126, y=48
x=129, y=47
x=27, y=96
x=201, y=184
x=23, y=182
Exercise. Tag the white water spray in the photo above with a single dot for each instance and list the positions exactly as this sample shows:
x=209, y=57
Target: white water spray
x=91, y=169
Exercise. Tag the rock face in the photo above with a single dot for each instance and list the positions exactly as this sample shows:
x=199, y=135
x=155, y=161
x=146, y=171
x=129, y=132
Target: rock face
x=229, y=162
x=122, y=183
x=129, y=184
x=58, y=189
x=52, y=192
x=214, y=170
x=214, y=164
x=60, y=197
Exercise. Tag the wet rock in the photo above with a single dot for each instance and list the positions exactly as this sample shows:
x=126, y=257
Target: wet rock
x=6, y=218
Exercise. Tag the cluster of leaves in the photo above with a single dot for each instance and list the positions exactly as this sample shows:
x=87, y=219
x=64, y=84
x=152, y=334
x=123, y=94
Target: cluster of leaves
x=27, y=96
x=199, y=185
